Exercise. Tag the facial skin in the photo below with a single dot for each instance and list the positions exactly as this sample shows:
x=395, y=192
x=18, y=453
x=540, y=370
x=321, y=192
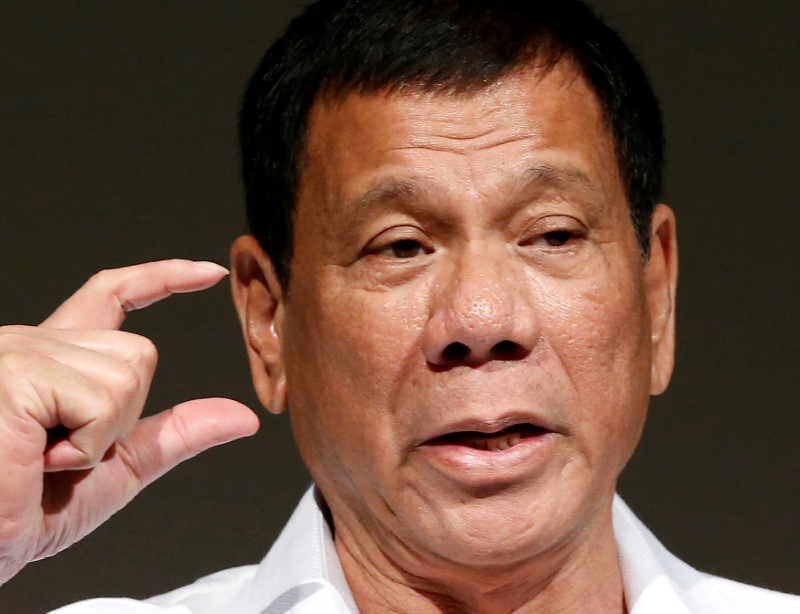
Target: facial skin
x=466, y=263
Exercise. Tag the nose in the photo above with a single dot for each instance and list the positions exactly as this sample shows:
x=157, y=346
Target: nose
x=480, y=314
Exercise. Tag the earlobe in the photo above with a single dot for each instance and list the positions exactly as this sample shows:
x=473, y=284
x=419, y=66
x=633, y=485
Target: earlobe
x=259, y=302
x=661, y=282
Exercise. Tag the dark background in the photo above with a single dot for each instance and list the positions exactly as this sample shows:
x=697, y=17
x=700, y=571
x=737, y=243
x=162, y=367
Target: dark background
x=117, y=137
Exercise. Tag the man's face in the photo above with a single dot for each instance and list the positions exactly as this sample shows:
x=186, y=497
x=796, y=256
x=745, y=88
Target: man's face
x=467, y=339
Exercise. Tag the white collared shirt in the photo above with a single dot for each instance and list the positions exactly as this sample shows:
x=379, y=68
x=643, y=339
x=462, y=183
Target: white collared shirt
x=302, y=574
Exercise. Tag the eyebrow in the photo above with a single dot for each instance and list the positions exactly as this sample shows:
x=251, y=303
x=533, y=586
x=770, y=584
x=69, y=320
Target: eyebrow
x=388, y=191
x=393, y=190
x=559, y=177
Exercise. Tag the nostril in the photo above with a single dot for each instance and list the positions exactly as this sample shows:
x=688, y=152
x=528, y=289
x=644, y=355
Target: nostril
x=455, y=351
x=504, y=347
x=508, y=350
x=457, y=354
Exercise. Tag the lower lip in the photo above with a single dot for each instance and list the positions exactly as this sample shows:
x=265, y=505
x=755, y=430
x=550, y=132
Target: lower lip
x=481, y=468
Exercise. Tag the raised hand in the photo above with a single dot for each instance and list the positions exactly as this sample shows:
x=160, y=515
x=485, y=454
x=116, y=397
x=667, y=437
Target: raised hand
x=73, y=449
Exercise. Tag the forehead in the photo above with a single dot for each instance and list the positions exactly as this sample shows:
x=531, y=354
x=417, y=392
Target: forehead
x=532, y=118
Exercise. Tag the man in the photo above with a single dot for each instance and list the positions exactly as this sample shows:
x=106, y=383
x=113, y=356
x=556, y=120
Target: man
x=461, y=284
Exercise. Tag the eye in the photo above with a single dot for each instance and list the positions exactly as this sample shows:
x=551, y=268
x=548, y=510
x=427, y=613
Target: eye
x=403, y=249
x=558, y=238
x=556, y=233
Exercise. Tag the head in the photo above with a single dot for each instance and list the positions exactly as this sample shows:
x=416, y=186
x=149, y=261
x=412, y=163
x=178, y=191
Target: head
x=338, y=47
x=459, y=280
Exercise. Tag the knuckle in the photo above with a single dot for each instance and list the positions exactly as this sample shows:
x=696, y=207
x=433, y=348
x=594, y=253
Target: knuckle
x=14, y=363
x=26, y=384
x=92, y=456
x=15, y=330
x=100, y=283
x=146, y=352
x=100, y=435
x=175, y=264
x=131, y=460
x=9, y=341
x=126, y=381
x=104, y=282
x=100, y=279
x=181, y=427
x=111, y=283
x=102, y=408
x=12, y=337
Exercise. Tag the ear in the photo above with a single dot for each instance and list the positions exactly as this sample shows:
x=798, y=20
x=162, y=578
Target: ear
x=259, y=301
x=661, y=279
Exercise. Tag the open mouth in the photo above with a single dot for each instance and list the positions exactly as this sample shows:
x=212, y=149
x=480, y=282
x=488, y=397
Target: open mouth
x=492, y=442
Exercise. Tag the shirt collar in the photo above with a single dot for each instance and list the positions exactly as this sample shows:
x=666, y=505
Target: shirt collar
x=653, y=578
x=301, y=573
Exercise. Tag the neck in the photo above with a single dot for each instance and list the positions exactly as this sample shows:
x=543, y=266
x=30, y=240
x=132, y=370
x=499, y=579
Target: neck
x=582, y=576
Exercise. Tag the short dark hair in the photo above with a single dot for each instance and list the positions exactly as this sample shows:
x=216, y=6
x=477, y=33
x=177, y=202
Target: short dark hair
x=337, y=47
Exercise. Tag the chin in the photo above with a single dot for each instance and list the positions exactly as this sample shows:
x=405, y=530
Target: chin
x=497, y=531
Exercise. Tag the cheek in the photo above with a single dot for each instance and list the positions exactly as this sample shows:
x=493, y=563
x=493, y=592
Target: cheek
x=599, y=333
x=374, y=337
x=347, y=356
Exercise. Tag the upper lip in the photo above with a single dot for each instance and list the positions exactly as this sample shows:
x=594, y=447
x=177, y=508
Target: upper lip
x=486, y=425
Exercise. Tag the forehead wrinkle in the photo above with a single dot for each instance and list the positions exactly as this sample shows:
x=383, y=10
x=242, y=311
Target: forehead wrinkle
x=455, y=136
x=459, y=142
x=445, y=129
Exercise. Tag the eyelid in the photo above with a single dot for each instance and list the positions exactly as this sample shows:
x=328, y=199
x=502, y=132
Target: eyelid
x=396, y=234
x=551, y=224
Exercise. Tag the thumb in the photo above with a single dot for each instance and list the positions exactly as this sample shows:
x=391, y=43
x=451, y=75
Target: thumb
x=160, y=442
x=155, y=446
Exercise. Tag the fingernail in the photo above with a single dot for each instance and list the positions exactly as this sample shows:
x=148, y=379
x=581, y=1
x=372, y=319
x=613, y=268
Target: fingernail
x=212, y=266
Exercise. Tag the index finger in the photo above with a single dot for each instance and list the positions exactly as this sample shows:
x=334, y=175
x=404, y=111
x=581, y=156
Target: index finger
x=104, y=300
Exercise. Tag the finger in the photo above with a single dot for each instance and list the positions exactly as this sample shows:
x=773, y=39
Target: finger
x=85, y=432
x=155, y=446
x=160, y=442
x=136, y=350
x=89, y=420
x=39, y=393
x=109, y=295
x=125, y=372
